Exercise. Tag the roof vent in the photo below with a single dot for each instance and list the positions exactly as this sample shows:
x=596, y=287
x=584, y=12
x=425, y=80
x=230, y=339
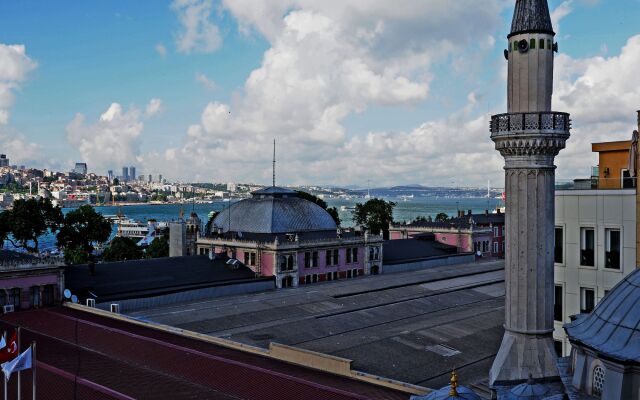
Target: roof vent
x=443, y=350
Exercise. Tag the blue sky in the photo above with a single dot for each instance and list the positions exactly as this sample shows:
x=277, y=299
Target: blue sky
x=414, y=107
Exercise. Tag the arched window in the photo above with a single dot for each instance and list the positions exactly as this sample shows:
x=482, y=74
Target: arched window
x=541, y=44
x=598, y=380
x=290, y=263
x=532, y=44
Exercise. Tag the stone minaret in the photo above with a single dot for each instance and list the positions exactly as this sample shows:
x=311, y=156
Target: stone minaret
x=529, y=137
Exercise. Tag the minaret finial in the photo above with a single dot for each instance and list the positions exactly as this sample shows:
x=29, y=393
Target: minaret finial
x=454, y=384
x=274, y=163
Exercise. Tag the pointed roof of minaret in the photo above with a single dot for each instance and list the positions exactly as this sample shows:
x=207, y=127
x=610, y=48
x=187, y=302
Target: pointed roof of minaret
x=531, y=16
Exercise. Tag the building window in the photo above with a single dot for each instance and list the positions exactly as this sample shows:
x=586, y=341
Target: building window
x=249, y=258
x=14, y=298
x=47, y=295
x=374, y=253
x=549, y=44
x=328, y=260
x=35, y=296
x=598, y=380
x=559, y=240
x=355, y=273
x=496, y=247
x=612, y=252
x=286, y=263
x=587, y=300
x=532, y=44
x=541, y=44
x=587, y=246
x=348, y=273
x=3, y=297
x=307, y=259
x=314, y=259
x=485, y=246
x=557, y=303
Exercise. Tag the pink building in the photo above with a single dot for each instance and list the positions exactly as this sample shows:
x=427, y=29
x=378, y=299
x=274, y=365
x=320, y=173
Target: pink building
x=276, y=233
x=469, y=232
x=24, y=285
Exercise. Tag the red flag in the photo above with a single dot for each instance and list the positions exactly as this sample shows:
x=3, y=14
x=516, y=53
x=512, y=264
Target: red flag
x=10, y=352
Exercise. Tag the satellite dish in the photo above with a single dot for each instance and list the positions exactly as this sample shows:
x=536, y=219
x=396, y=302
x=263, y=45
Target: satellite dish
x=67, y=294
x=523, y=46
x=506, y=54
x=555, y=47
x=74, y=299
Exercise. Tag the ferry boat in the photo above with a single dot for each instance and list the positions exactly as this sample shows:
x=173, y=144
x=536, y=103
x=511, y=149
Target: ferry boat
x=138, y=230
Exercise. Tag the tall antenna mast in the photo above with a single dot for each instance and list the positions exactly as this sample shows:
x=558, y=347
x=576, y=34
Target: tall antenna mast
x=274, y=163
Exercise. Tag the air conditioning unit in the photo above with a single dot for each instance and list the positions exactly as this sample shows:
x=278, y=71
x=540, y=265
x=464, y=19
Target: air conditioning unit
x=115, y=308
x=8, y=308
x=91, y=303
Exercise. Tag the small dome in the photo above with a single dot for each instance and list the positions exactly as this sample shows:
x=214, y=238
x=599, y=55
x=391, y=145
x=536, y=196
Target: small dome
x=450, y=392
x=274, y=210
x=613, y=328
x=528, y=391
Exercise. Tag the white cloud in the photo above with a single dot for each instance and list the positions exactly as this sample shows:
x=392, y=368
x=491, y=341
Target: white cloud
x=198, y=34
x=161, y=50
x=327, y=61
x=15, y=65
x=154, y=107
x=111, y=141
x=205, y=81
x=565, y=8
x=601, y=95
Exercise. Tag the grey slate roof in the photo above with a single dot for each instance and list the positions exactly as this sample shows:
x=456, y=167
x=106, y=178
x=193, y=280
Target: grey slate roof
x=274, y=211
x=153, y=277
x=531, y=16
x=404, y=250
x=613, y=328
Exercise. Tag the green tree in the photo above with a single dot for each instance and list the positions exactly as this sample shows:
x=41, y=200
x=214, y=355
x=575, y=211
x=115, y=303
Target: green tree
x=4, y=227
x=375, y=215
x=213, y=216
x=116, y=182
x=158, y=248
x=81, y=230
x=121, y=249
x=30, y=219
x=314, y=199
x=442, y=217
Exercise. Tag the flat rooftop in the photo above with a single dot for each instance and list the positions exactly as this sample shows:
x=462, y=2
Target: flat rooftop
x=414, y=327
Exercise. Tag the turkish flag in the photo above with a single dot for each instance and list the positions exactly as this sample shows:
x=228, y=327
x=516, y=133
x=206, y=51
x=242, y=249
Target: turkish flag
x=10, y=351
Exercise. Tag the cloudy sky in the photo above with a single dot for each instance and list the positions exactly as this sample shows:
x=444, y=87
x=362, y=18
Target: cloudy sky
x=395, y=92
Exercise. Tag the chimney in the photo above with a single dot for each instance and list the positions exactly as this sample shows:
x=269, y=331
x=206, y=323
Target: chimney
x=469, y=212
x=486, y=212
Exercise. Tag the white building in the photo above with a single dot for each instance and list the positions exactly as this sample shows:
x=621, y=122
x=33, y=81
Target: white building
x=595, y=240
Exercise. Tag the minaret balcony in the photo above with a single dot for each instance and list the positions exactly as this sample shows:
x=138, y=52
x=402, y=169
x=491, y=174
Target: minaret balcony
x=544, y=122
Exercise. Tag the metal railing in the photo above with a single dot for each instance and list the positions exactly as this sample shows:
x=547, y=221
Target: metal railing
x=530, y=121
x=596, y=183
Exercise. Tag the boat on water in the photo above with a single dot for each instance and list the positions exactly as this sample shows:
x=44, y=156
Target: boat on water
x=138, y=230
x=347, y=208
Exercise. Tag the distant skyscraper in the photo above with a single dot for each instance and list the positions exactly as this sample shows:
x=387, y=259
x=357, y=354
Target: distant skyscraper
x=125, y=174
x=132, y=173
x=150, y=178
x=160, y=178
x=110, y=175
x=4, y=161
x=80, y=168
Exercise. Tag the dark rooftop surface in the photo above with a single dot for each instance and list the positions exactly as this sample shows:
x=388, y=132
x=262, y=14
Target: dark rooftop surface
x=403, y=250
x=613, y=328
x=114, y=358
x=414, y=327
x=136, y=278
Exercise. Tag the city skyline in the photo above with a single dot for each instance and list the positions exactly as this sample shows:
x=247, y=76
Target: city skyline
x=200, y=88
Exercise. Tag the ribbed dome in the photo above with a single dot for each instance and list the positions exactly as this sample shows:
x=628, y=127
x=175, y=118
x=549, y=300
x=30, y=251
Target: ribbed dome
x=274, y=210
x=444, y=394
x=613, y=328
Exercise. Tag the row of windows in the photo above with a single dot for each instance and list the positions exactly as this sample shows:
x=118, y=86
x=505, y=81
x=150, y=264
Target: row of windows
x=250, y=258
x=39, y=296
x=482, y=247
x=532, y=44
x=613, y=244
x=330, y=276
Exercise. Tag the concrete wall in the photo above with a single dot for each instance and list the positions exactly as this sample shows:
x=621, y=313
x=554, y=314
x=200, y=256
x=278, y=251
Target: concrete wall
x=598, y=209
x=190, y=295
x=428, y=263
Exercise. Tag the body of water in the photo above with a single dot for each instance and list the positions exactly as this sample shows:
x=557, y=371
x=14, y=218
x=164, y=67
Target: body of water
x=405, y=210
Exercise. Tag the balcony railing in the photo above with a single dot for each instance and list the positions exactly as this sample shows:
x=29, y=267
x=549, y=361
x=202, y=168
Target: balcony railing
x=531, y=121
x=595, y=183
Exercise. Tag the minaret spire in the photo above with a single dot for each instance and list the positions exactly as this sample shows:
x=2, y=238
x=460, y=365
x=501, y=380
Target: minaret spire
x=531, y=16
x=274, y=163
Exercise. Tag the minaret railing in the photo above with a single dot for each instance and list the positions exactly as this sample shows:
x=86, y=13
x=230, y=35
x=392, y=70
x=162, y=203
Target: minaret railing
x=530, y=121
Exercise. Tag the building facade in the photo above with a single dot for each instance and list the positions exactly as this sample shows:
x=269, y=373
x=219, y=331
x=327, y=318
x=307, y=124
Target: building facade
x=25, y=285
x=478, y=233
x=595, y=236
x=276, y=233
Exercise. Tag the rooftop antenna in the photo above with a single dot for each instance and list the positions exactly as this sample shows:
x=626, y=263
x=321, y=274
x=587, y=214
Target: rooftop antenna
x=274, y=163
